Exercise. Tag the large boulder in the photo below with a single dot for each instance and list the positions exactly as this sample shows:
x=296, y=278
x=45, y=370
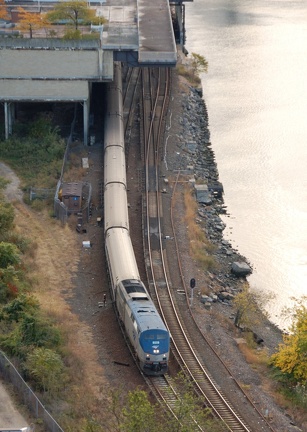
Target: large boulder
x=225, y=295
x=203, y=196
x=240, y=268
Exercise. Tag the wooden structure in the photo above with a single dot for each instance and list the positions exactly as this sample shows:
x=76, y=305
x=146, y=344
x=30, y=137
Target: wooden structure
x=72, y=196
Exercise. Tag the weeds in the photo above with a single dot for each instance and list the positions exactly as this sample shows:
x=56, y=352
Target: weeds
x=189, y=74
x=290, y=394
x=200, y=247
x=41, y=146
x=252, y=355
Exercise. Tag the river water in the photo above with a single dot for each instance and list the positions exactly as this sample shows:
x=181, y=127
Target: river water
x=256, y=95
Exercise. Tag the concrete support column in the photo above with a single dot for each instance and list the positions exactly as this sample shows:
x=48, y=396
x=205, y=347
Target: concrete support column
x=85, y=121
x=6, y=119
x=180, y=16
x=9, y=116
x=13, y=114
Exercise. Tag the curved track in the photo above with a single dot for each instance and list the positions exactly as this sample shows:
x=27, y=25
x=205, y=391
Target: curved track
x=155, y=91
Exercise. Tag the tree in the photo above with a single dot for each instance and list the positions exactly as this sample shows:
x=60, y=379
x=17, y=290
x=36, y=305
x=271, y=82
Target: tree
x=4, y=14
x=9, y=255
x=291, y=358
x=9, y=280
x=73, y=11
x=139, y=413
x=199, y=63
x=32, y=330
x=133, y=412
x=18, y=308
x=30, y=21
x=190, y=411
x=246, y=303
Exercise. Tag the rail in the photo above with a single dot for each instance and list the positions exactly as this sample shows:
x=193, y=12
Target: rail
x=155, y=88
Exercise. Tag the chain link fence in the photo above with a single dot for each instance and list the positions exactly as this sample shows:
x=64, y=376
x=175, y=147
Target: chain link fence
x=28, y=397
x=62, y=212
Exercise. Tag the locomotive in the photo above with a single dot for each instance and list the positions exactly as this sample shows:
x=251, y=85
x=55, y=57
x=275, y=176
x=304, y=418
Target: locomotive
x=143, y=325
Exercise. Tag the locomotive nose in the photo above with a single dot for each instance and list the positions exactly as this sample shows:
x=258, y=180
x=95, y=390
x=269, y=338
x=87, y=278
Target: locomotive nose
x=156, y=367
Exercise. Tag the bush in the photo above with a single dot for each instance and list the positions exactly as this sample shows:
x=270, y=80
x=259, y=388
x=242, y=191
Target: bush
x=31, y=331
x=38, y=158
x=46, y=368
x=6, y=218
x=22, y=243
x=72, y=35
x=188, y=74
x=292, y=353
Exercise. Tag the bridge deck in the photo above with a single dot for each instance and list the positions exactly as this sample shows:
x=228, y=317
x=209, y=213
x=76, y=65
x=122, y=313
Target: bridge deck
x=144, y=26
x=156, y=37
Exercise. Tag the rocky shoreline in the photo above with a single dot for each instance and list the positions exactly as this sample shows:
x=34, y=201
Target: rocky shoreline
x=188, y=150
x=196, y=160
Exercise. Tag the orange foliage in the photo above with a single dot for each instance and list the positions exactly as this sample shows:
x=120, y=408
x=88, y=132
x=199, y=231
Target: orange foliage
x=30, y=20
x=4, y=14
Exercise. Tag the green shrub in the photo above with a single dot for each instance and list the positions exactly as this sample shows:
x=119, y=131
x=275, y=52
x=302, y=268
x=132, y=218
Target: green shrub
x=35, y=152
x=72, y=34
x=6, y=218
x=29, y=332
x=46, y=367
x=22, y=243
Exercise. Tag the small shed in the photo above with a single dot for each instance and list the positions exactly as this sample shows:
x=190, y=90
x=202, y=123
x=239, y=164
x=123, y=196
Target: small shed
x=72, y=196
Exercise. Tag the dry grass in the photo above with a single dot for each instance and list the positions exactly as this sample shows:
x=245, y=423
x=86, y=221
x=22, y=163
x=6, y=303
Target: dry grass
x=254, y=356
x=286, y=404
x=75, y=172
x=50, y=270
x=200, y=247
x=189, y=74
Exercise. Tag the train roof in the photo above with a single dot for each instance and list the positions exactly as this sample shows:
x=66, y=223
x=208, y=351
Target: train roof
x=142, y=307
x=121, y=256
x=146, y=315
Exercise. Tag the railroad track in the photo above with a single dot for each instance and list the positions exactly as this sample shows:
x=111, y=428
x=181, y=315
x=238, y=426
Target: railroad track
x=131, y=81
x=155, y=92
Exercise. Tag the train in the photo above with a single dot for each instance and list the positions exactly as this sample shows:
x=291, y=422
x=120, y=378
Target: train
x=143, y=325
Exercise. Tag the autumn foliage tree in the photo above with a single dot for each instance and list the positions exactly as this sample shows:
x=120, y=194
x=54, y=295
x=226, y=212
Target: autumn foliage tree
x=291, y=357
x=30, y=21
x=4, y=14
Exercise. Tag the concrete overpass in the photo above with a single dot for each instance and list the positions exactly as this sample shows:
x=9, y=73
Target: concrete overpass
x=138, y=32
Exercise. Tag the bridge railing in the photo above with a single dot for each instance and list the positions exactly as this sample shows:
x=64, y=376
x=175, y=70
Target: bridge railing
x=50, y=43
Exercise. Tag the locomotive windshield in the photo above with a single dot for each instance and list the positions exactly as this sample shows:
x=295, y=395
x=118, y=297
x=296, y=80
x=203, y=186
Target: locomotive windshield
x=133, y=286
x=152, y=335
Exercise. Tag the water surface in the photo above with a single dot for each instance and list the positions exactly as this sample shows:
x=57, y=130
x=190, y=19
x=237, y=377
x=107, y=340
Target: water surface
x=256, y=95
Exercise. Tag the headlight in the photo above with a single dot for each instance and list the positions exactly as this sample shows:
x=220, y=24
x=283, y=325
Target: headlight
x=156, y=351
